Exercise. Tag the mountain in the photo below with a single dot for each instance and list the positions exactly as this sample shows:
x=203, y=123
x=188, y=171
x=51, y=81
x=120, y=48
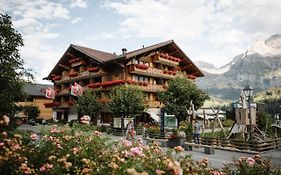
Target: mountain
x=259, y=66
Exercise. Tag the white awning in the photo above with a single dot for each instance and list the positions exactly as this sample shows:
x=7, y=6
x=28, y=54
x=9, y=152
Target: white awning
x=154, y=116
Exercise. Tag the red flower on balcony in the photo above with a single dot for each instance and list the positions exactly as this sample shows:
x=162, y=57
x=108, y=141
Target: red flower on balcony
x=58, y=77
x=165, y=71
x=97, y=85
x=74, y=60
x=142, y=66
x=93, y=69
x=73, y=74
x=130, y=81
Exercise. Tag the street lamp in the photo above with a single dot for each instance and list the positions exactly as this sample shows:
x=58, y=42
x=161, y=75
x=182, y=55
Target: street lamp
x=248, y=91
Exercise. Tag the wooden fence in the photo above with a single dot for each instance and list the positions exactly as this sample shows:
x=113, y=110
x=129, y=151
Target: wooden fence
x=257, y=146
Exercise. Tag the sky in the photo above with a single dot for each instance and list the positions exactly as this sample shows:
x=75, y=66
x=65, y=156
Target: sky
x=212, y=31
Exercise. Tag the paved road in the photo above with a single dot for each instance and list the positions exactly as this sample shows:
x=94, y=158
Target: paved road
x=216, y=160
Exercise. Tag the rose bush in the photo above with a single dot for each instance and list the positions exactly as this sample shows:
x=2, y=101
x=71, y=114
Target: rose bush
x=78, y=150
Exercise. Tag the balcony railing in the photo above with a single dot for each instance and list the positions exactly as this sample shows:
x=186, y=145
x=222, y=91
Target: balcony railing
x=52, y=104
x=153, y=88
x=152, y=72
x=81, y=75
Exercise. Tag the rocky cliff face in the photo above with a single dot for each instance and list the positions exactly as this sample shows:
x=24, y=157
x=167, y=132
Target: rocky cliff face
x=259, y=66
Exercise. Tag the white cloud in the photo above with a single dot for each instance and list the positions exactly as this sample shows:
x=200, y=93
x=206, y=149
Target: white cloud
x=224, y=28
x=78, y=3
x=34, y=19
x=76, y=20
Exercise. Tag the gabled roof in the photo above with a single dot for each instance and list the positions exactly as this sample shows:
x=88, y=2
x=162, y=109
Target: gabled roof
x=104, y=57
x=95, y=54
x=36, y=89
x=147, y=49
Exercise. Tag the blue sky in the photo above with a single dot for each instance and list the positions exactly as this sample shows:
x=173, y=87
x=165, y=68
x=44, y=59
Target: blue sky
x=213, y=31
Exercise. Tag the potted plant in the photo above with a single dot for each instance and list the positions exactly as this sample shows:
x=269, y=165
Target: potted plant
x=176, y=138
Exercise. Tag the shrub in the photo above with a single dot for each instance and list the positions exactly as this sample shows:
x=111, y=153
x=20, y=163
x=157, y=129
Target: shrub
x=31, y=111
x=228, y=123
x=251, y=166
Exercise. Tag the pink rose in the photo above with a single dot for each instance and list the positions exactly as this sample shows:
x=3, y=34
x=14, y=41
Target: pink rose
x=42, y=168
x=33, y=136
x=250, y=161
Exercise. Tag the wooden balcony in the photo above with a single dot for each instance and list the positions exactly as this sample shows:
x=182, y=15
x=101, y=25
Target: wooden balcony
x=166, y=59
x=151, y=72
x=81, y=75
x=52, y=104
x=77, y=62
x=153, y=88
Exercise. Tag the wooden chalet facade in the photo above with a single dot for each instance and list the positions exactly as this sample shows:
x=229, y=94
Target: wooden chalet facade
x=150, y=68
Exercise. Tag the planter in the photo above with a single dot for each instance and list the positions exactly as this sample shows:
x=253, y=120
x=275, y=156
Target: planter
x=173, y=142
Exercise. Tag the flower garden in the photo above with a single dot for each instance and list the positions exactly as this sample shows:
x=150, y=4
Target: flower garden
x=81, y=149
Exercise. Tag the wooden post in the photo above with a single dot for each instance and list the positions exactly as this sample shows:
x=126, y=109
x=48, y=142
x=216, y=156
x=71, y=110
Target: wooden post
x=217, y=118
x=203, y=122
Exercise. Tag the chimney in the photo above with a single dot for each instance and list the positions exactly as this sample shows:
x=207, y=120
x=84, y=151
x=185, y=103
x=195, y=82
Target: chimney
x=124, y=51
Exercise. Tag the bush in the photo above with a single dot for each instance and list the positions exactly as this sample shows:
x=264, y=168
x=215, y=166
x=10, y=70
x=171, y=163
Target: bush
x=251, y=166
x=64, y=150
x=228, y=123
x=31, y=111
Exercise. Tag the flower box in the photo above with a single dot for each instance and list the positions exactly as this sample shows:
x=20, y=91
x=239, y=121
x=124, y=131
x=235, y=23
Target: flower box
x=93, y=69
x=58, y=77
x=73, y=74
x=142, y=66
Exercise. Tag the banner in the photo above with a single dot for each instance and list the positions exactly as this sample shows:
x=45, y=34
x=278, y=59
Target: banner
x=76, y=89
x=50, y=93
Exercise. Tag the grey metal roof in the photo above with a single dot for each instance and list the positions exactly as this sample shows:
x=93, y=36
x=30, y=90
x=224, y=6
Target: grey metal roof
x=36, y=89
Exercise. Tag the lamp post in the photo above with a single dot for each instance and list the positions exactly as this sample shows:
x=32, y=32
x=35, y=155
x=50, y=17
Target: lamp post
x=248, y=91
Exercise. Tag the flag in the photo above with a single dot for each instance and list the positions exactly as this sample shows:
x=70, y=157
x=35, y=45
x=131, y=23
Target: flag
x=76, y=89
x=50, y=93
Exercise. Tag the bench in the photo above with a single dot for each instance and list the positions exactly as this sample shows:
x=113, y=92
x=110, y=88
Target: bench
x=207, y=148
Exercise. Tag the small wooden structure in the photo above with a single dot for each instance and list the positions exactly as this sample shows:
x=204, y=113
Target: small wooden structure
x=243, y=112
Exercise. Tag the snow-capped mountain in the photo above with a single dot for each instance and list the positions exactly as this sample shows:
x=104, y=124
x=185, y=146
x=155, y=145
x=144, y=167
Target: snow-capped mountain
x=259, y=66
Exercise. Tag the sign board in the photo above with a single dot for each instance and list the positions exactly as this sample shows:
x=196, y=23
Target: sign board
x=117, y=122
x=170, y=121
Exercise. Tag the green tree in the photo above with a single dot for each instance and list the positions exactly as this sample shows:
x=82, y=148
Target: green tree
x=178, y=97
x=12, y=71
x=88, y=104
x=31, y=111
x=127, y=100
